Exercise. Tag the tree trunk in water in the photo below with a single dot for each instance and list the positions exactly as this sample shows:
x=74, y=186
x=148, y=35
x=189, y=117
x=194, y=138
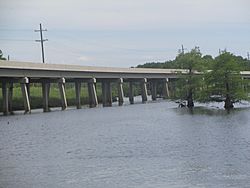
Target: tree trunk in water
x=228, y=103
x=190, y=102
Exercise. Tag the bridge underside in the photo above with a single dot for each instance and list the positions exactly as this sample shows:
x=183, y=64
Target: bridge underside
x=27, y=73
x=107, y=99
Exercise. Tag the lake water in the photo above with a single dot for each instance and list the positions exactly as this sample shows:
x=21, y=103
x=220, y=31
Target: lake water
x=154, y=145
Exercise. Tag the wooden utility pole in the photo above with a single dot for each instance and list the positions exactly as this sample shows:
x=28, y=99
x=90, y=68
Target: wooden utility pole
x=41, y=40
x=248, y=56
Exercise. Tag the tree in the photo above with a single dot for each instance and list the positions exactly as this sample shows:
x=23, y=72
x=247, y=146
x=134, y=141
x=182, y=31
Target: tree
x=224, y=80
x=1, y=56
x=191, y=61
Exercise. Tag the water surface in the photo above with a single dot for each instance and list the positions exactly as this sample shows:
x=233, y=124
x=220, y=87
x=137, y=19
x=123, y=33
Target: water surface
x=142, y=145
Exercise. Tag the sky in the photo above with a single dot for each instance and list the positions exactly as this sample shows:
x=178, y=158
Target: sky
x=122, y=33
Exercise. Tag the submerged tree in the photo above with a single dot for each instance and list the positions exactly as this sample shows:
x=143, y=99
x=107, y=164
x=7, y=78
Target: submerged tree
x=225, y=81
x=192, y=62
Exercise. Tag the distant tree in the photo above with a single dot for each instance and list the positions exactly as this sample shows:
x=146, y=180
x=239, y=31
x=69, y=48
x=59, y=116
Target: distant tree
x=207, y=61
x=220, y=81
x=1, y=56
x=224, y=80
x=151, y=65
x=191, y=82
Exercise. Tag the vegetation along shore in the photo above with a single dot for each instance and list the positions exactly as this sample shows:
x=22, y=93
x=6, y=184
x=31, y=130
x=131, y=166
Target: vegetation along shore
x=219, y=80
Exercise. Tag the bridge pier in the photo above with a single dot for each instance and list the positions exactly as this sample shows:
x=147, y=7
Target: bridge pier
x=25, y=93
x=144, y=93
x=166, y=93
x=106, y=93
x=45, y=91
x=10, y=97
x=172, y=88
x=28, y=88
x=120, y=92
x=93, y=102
x=5, y=94
x=154, y=90
x=131, y=93
x=61, y=86
x=78, y=94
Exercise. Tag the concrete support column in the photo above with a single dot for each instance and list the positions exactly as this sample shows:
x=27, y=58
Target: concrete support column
x=93, y=102
x=78, y=94
x=154, y=90
x=144, y=93
x=5, y=94
x=120, y=92
x=165, y=89
x=106, y=94
x=61, y=86
x=45, y=90
x=10, y=97
x=25, y=93
x=28, y=89
x=171, y=88
x=131, y=93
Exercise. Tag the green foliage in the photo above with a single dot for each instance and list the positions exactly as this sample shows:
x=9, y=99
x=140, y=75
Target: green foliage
x=191, y=60
x=224, y=79
x=221, y=76
x=190, y=83
x=207, y=61
x=1, y=56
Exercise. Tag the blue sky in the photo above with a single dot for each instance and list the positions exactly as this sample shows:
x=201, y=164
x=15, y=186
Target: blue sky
x=122, y=33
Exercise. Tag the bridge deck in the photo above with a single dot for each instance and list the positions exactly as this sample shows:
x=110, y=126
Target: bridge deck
x=22, y=69
x=28, y=69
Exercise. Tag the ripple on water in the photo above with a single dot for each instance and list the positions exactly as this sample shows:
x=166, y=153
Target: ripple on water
x=142, y=145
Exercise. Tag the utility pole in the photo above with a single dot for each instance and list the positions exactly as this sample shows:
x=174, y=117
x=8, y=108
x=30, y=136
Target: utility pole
x=41, y=40
x=182, y=49
x=248, y=56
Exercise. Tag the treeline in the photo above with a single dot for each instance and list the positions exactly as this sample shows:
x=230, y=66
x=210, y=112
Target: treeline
x=207, y=61
x=219, y=78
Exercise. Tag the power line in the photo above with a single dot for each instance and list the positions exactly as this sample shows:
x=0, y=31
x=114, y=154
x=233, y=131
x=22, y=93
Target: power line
x=41, y=40
x=15, y=30
x=22, y=40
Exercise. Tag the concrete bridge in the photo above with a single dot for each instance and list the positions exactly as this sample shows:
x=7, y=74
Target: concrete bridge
x=26, y=73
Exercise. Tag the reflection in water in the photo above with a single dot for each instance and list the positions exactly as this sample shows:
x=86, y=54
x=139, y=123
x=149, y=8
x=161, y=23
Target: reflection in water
x=143, y=145
x=203, y=110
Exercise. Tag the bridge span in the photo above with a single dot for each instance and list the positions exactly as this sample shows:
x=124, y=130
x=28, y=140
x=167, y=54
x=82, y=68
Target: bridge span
x=27, y=72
